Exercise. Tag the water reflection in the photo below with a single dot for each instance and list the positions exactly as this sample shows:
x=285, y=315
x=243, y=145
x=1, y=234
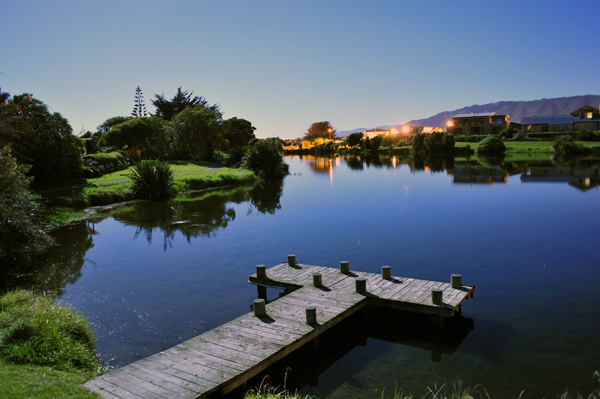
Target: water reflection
x=59, y=266
x=305, y=368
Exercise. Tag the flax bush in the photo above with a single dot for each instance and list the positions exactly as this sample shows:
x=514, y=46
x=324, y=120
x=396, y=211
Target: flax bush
x=152, y=180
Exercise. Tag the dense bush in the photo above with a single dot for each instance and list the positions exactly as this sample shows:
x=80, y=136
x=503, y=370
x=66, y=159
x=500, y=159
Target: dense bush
x=565, y=146
x=433, y=144
x=264, y=158
x=40, y=138
x=101, y=163
x=490, y=146
x=21, y=237
x=476, y=138
x=152, y=180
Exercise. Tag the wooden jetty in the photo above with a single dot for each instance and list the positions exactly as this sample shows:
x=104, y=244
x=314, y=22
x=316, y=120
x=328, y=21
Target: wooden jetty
x=316, y=299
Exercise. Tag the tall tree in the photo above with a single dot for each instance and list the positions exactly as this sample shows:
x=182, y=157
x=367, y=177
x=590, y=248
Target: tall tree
x=195, y=134
x=41, y=139
x=139, y=108
x=238, y=132
x=167, y=109
x=320, y=130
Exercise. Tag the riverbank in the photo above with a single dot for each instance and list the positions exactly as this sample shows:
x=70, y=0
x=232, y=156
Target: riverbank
x=68, y=202
x=46, y=350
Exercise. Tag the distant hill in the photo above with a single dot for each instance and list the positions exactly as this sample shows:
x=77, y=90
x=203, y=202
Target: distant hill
x=515, y=109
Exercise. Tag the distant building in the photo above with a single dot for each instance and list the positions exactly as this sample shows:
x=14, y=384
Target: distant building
x=478, y=123
x=584, y=118
x=375, y=132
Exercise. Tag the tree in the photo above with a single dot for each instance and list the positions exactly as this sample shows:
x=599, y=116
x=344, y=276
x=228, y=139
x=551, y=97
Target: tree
x=354, y=139
x=139, y=108
x=167, y=109
x=145, y=134
x=238, y=132
x=21, y=237
x=320, y=130
x=195, y=134
x=41, y=139
x=110, y=122
x=264, y=158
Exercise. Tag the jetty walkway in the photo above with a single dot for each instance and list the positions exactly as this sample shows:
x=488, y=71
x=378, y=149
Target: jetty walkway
x=316, y=299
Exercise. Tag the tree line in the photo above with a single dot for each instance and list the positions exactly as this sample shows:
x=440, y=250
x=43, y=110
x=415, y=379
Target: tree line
x=185, y=127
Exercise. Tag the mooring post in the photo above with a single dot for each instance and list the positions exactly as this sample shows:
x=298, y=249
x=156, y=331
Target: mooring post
x=345, y=267
x=311, y=315
x=292, y=260
x=259, y=308
x=261, y=291
x=436, y=296
x=386, y=272
x=261, y=271
x=317, y=279
x=361, y=285
x=456, y=281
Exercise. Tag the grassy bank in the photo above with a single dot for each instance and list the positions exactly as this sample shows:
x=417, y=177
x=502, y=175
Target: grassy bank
x=46, y=350
x=67, y=203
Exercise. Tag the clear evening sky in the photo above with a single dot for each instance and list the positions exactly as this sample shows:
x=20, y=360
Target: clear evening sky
x=283, y=65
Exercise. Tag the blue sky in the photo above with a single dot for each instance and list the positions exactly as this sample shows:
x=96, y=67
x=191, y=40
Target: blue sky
x=285, y=64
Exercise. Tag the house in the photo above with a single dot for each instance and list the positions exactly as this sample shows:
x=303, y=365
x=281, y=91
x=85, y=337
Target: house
x=375, y=132
x=478, y=123
x=584, y=118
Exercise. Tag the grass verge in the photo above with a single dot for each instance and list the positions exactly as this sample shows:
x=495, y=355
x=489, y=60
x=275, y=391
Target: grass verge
x=46, y=350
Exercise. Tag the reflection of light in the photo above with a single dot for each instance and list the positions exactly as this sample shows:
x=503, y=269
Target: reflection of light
x=331, y=171
x=426, y=169
x=394, y=162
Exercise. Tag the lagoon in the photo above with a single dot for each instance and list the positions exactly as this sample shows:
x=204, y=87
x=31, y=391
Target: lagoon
x=149, y=276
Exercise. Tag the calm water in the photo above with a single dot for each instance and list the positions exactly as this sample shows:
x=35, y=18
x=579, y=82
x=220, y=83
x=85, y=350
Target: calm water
x=151, y=276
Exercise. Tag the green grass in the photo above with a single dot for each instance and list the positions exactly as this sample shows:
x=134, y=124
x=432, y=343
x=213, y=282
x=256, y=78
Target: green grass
x=66, y=205
x=40, y=382
x=46, y=350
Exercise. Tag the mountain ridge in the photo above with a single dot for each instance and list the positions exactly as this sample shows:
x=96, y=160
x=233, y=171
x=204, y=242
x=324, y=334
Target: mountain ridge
x=517, y=110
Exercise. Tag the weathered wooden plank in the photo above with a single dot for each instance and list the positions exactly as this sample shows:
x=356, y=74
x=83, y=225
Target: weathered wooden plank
x=161, y=372
x=109, y=390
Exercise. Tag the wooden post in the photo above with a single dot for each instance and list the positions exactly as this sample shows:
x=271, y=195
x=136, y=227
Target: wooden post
x=259, y=308
x=436, y=296
x=345, y=267
x=261, y=271
x=292, y=260
x=386, y=272
x=361, y=285
x=311, y=315
x=261, y=292
x=456, y=281
x=317, y=280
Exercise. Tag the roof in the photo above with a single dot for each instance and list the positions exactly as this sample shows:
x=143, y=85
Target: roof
x=550, y=120
x=474, y=114
x=584, y=109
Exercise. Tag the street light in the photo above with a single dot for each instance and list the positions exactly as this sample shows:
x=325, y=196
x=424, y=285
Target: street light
x=329, y=134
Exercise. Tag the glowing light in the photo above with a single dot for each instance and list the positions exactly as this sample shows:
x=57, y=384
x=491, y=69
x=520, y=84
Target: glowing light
x=394, y=131
x=405, y=129
x=450, y=124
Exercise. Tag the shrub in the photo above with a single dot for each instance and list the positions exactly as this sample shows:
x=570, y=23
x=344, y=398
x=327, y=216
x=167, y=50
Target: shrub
x=565, y=146
x=95, y=165
x=264, y=158
x=152, y=180
x=21, y=235
x=491, y=145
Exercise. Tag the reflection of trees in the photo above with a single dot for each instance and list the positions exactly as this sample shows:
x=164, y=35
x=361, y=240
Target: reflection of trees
x=432, y=163
x=198, y=214
x=60, y=265
x=319, y=164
